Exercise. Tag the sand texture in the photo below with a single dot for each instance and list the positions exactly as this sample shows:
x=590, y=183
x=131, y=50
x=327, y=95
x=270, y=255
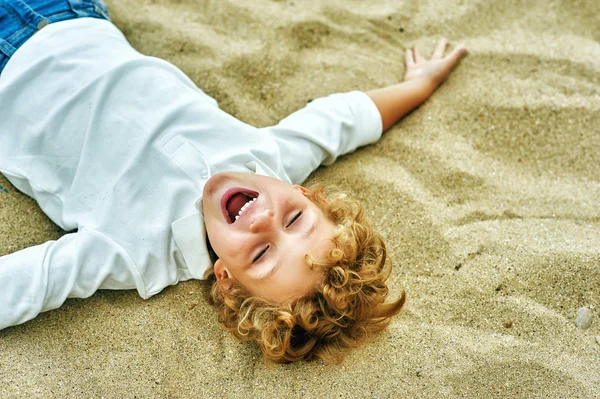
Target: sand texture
x=488, y=196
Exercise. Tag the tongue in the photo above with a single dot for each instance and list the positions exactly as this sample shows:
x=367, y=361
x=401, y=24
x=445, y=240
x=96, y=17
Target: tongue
x=235, y=203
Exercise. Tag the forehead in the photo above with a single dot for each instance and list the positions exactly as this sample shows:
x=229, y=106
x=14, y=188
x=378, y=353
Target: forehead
x=322, y=244
x=295, y=277
x=319, y=243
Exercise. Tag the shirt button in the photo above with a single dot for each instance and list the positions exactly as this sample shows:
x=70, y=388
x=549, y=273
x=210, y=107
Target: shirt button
x=42, y=23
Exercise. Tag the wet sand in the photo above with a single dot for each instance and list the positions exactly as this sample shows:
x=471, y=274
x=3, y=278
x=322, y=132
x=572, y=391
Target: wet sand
x=488, y=196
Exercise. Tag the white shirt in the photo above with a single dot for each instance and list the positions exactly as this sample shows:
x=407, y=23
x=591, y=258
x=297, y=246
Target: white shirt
x=116, y=146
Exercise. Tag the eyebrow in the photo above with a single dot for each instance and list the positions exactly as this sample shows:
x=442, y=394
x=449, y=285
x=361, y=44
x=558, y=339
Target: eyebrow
x=310, y=229
x=273, y=270
x=278, y=264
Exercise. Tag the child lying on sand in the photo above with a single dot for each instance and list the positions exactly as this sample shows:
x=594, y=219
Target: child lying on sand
x=152, y=177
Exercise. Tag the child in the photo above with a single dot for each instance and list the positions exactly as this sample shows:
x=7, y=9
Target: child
x=150, y=177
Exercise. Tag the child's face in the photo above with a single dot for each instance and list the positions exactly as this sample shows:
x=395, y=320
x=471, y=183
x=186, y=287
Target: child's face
x=265, y=248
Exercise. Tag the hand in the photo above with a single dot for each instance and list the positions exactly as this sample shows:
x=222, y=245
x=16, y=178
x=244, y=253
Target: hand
x=435, y=70
x=420, y=81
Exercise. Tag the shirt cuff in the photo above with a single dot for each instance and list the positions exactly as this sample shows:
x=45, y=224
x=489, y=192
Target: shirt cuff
x=367, y=117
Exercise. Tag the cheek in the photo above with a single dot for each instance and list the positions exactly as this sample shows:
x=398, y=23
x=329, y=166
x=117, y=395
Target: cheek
x=216, y=236
x=229, y=251
x=227, y=245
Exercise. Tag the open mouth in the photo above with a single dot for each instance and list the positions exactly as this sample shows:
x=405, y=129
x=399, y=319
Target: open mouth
x=235, y=201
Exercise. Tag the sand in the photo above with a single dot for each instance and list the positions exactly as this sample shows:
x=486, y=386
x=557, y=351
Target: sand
x=488, y=196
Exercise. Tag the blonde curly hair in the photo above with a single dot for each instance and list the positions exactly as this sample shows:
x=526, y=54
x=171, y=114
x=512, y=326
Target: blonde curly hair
x=346, y=309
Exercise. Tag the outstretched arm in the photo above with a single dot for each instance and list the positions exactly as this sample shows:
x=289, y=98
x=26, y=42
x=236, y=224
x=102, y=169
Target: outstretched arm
x=420, y=81
x=338, y=124
x=41, y=278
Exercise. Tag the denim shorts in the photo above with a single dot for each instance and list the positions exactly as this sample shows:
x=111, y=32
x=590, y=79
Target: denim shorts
x=20, y=19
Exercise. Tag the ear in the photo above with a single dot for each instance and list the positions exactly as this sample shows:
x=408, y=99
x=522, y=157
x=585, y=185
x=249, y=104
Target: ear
x=303, y=190
x=221, y=270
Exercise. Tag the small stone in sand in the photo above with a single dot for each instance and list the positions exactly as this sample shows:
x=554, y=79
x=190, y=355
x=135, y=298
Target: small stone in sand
x=584, y=318
x=508, y=324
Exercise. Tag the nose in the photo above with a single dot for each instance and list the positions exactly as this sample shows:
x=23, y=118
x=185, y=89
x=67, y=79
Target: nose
x=262, y=221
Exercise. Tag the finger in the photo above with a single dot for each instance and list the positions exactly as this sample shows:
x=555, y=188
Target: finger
x=438, y=53
x=409, y=59
x=452, y=59
x=455, y=56
x=418, y=56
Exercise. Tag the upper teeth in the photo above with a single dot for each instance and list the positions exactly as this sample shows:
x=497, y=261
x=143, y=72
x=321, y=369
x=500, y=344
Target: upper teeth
x=242, y=209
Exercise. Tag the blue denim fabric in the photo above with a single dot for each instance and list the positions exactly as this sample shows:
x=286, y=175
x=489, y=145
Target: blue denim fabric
x=20, y=19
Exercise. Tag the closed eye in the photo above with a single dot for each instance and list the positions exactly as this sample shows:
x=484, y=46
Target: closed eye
x=264, y=251
x=294, y=219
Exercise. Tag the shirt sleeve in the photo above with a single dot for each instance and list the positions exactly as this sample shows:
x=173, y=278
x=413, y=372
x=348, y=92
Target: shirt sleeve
x=41, y=278
x=323, y=130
